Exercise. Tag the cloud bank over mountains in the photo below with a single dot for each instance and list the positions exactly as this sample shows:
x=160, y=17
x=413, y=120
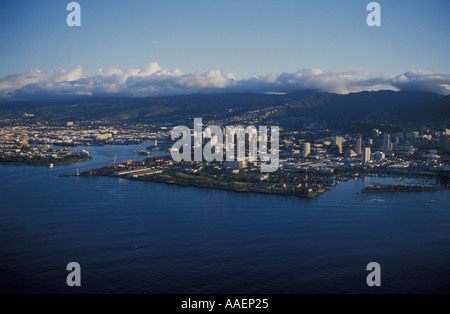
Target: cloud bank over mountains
x=156, y=81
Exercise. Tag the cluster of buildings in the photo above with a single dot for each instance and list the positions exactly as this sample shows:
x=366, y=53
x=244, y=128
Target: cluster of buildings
x=378, y=148
x=313, y=149
x=17, y=150
x=84, y=134
x=313, y=160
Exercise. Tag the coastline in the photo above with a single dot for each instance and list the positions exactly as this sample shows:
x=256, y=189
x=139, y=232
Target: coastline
x=307, y=195
x=392, y=188
x=248, y=190
x=44, y=164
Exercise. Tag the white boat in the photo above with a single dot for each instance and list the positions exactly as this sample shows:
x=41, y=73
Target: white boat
x=50, y=166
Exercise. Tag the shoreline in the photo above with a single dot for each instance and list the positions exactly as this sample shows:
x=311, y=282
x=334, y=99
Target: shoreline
x=401, y=188
x=314, y=195
x=171, y=178
x=13, y=163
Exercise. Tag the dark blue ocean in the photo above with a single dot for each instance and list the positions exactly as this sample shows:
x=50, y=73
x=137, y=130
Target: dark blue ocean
x=139, y=237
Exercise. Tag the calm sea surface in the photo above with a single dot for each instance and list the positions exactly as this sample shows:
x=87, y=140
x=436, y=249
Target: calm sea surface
x=139, y=237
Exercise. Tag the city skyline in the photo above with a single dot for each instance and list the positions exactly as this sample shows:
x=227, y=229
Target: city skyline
x=167, y=48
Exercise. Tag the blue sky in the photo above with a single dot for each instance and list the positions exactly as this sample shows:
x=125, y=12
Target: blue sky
x=243, y=37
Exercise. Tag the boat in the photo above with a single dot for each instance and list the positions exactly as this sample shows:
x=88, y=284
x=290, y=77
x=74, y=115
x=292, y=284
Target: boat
x=50, y=166
x=143, y=152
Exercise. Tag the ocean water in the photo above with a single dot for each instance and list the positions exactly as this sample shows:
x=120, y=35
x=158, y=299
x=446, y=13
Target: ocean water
x=143, y=237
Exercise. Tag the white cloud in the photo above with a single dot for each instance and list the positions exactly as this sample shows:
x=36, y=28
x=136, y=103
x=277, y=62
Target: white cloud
x=213, y=79
x=156, y=81
x=429, y=81
x=11, y=83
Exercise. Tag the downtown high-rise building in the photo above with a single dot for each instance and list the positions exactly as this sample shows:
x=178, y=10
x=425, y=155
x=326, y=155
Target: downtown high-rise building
x=444, y=142
x=387, y=143
x=366, y=155
x=359, y=145
x=306, y=149
x=338, y=143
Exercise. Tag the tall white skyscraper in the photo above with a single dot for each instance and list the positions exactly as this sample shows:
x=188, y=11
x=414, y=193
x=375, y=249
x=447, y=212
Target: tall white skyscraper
x=338, y=143
x=306, y=149
x=366, y=155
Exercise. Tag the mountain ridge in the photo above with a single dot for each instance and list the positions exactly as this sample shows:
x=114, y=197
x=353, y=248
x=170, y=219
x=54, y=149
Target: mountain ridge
x=405, y=106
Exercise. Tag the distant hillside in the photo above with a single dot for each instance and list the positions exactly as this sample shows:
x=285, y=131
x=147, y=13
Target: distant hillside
x=380, y=106
x=432, y=111
x=117, y=109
